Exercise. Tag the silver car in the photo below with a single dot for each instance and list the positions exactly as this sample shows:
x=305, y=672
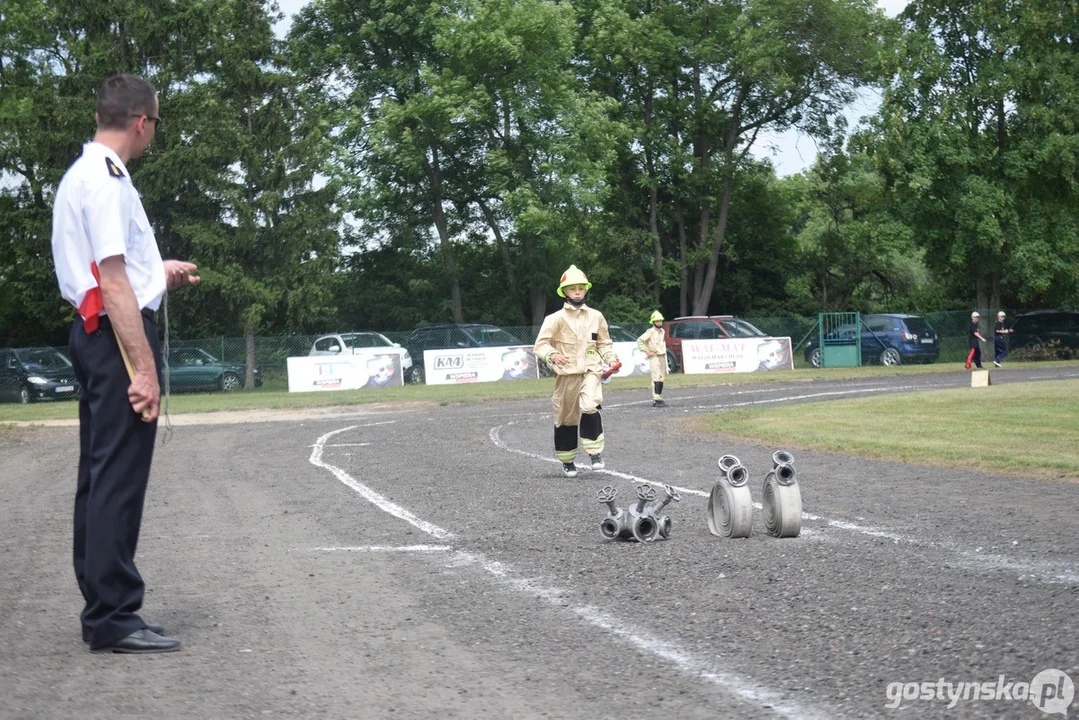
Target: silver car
x=356, y=343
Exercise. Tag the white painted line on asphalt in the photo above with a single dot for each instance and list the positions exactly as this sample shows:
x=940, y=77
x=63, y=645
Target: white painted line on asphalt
x=386, y=548
x=682, y=398
x=694, y=666
x=808, y=396
x=364, y=425
x=370, y=495
x=638, y=637
x=642, y=639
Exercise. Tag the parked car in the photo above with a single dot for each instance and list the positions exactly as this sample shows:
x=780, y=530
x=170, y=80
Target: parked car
x=704, y=327
x=886, y=340
x=357, y=343
x=442, y=337
x=194, y=369
x=1041, y=327
x=31, y=374
x=620, y=334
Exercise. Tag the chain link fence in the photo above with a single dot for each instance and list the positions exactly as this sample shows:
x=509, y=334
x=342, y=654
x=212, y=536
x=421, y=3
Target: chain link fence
x=235, y=363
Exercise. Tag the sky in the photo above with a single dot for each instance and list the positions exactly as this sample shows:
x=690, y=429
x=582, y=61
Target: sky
x=790, y=152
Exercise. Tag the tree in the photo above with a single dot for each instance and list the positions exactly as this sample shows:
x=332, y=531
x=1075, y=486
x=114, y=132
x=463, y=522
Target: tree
x=377, y=61
x=466, y=118
x=853, y=253
x=718, y=74
x=228, y=182
x=978, y=142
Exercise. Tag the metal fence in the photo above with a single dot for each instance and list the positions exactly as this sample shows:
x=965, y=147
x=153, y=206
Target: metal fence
x=221, y=362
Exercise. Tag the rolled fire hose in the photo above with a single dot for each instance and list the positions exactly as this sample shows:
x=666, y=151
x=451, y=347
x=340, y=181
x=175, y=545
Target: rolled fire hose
x=782, y=502
x=730, y=505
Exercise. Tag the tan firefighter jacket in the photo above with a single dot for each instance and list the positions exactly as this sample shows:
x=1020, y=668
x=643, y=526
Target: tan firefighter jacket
x=654, y=340
x=579, y=333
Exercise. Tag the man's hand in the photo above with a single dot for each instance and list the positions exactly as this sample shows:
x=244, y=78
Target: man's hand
x=179, y=274
x=559, y=359
x=144, y=394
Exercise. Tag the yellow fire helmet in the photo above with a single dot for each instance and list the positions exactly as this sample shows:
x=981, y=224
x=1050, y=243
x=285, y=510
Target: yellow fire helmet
x=657, y=316
x=573, y=276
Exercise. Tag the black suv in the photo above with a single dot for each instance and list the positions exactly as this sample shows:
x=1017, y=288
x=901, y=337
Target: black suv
x=1041, y=327
x=444, y=337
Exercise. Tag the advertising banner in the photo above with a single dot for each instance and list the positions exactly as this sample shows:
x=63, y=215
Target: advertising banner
x=348, y=372
x=738, y=355
x=468, y=365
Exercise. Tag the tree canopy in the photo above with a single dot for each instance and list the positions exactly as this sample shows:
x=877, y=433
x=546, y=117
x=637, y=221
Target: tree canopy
x=395, y=162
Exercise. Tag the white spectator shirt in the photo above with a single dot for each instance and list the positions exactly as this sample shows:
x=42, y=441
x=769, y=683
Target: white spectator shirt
x=98, y=214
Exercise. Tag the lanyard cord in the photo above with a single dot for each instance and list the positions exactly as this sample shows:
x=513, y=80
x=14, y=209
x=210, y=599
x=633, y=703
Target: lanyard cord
x=168, y=419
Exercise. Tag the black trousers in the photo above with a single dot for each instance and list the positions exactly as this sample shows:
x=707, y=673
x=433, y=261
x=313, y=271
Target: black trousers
x=115, y=451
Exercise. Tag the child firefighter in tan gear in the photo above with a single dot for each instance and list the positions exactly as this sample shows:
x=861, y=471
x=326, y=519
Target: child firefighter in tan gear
x=653, y=343
x=575, y=343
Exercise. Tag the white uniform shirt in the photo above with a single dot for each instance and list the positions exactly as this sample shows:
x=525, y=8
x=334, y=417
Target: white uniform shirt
x=98, y=214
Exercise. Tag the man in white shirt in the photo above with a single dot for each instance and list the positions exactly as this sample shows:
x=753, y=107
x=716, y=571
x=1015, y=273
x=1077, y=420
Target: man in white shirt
x=109, y=267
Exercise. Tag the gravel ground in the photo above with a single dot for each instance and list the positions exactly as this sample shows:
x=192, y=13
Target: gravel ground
x=408, y=563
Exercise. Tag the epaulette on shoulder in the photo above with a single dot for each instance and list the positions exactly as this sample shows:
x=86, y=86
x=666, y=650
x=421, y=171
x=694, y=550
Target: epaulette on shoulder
x=114, y=169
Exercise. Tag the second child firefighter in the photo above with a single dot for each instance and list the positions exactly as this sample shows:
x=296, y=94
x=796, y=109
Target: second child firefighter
x=653, y=343
x=576, y=343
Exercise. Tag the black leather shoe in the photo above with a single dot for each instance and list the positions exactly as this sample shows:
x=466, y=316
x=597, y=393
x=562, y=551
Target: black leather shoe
x=141, y=642
x=153, y=627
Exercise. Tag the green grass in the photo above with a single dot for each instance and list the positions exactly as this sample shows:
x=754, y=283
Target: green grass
x=477, y=392
x=1026, y=429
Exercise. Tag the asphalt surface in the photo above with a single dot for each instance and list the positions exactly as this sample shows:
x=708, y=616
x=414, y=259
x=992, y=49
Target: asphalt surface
x=432, y=561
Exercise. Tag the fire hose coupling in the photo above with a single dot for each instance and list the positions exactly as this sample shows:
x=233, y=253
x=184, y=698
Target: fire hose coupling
x=733, y=470
x=782, y=457
x=663, y=521
x=781, y=502
x=644, y=525
x=614, y=525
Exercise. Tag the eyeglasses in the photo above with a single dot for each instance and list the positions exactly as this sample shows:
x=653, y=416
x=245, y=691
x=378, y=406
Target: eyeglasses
x=157, y=120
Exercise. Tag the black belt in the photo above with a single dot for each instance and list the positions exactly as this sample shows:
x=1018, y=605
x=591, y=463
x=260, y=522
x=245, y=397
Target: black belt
x=149, y=314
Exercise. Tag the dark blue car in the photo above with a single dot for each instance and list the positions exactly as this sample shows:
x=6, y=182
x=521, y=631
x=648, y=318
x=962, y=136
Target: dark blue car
x=886, y=340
